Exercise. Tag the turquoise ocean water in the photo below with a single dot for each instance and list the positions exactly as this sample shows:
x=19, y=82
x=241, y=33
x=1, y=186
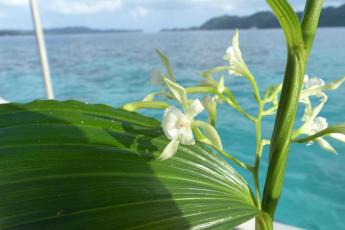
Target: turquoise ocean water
x=114, y=69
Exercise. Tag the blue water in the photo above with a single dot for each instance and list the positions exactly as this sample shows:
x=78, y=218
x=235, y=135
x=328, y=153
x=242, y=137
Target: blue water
x=114, y=69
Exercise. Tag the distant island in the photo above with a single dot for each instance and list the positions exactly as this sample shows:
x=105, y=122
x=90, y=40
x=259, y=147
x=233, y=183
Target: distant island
x=330, y=17
x=66, y=30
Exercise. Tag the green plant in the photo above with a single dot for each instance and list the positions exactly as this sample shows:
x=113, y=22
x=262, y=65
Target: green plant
x=70, y=165
x=296, y=88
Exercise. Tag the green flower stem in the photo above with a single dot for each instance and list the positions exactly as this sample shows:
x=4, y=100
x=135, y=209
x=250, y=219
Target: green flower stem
x=255, y=87
x=145, y=105
x=259, y=142
x=296, y=133
x=258, y=153
x=152, y=96
x=212, y=117
x=235, y=160
x=263, y=222
x=270, y=111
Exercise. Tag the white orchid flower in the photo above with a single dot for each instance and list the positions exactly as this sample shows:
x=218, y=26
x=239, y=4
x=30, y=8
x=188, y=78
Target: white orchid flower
x=312, y=82
x=314, y=126
x=234, y=56
x=312, y=123
x=312, y=87
x=317, y=125
x=177, y=126
x=316, y=86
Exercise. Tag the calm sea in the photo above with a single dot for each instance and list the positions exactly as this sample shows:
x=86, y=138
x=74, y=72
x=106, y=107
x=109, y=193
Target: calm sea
x=114, y=69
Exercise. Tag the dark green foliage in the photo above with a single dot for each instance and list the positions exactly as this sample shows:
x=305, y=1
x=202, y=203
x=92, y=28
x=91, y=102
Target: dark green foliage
x=70, y=165
x=330, y=17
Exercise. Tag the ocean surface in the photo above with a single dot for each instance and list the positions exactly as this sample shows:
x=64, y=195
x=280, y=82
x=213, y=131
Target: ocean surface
x=114, y=69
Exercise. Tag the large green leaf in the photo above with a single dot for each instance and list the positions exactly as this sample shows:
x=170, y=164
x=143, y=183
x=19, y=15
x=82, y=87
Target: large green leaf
x=70, y=165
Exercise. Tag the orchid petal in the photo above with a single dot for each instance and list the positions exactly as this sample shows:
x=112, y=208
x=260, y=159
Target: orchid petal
x=236, y=46
x=150, y=97
x=318, y=108
x=314, y=82
x=319, y=124
x=306, y=78
x=194, y=108
x=210, y=133
x=338, y=136
x=165, y=61
x=178, y=91
x=234, y=57
x=170, y=150
x=325, y=145
x=187, y=137
x=308, y=109
x=221, y=87
x=170, y=123
x=334, y=84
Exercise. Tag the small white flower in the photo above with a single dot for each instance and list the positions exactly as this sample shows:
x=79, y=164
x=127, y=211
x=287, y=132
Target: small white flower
x=315, y=126
x=310, y=127
x=234, y=57
x=312, y=86
x=177, y=126
x=310, y=83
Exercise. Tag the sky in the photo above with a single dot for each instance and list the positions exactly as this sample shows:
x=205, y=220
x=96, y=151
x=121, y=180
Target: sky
x=149, y=15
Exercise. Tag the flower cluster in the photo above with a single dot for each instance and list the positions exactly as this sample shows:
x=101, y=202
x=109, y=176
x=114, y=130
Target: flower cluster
x=178, y=126
x=234, y=56
x=312, y=122
x=181, y=127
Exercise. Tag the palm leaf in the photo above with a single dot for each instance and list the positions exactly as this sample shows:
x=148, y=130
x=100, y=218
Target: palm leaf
x=69, y=165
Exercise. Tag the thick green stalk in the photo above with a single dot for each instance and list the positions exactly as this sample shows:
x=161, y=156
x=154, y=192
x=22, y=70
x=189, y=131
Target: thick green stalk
x=263, y=222
x=282, y=131
x=299, y=41
x=310, y=21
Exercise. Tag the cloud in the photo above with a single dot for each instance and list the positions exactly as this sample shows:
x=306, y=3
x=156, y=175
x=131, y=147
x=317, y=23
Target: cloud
x=227, y=7
x=235, y=7
x=139, y=12
x=14, y=2
x=176, y=5
x=85, y=7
